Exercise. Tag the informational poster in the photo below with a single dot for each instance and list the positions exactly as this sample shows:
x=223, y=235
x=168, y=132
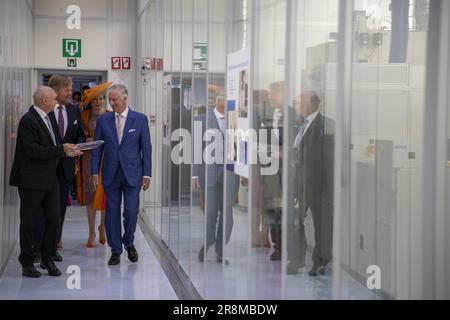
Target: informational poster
x=238, y=108
x=200, y=56
x=167, y=109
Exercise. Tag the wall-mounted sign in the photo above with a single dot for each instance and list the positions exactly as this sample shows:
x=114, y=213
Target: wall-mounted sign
x=72, y=62
x=200, y=56
x=238, y=108
x=71, y=48
x=158, y=64
x=126, y=63
x=116, y=63
x=155, y=64
x=120, y=63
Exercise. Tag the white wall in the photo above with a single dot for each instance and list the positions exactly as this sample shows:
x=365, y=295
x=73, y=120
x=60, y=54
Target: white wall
x=16, y=37
x=108, y=29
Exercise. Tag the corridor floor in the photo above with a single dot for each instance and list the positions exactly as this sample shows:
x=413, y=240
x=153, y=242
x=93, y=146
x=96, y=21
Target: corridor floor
x=144, y=280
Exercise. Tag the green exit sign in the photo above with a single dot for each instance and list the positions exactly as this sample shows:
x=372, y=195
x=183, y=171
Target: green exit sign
x=71, y=48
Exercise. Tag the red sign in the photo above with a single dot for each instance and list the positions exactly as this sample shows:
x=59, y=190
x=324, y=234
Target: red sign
x=116, y=63
x=126, y=63
x=159, y=64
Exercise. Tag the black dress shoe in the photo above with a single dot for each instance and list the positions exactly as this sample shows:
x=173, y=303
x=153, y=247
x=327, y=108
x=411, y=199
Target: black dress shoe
x=115, y=259
x=314, y=271
x=292, y=268
x=30, y=272
x=57, y=257
x=51, y=268
x=220, y=260
x=132, y=254
x=37, y=259
x=201, y=255
x=322, y=270
x=276, y=255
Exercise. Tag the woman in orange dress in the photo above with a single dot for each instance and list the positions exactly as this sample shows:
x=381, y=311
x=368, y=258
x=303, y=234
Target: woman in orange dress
x=92, y=106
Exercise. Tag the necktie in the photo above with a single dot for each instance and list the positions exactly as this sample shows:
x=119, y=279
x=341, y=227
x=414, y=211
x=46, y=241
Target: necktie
x=61, y=122
x=119, y=128
x=49, y=127
x=301, y=133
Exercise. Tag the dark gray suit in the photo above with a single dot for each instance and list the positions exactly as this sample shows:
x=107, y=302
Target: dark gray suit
x=314, y=164
x=211, y=180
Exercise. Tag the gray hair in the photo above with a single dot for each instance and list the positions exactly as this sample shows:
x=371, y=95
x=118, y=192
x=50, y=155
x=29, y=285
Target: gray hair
x=39, y=95
x=121, y=87
x=220, y=98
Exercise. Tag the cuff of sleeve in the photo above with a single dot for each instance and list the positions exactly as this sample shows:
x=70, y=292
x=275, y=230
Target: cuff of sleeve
x=148, y=177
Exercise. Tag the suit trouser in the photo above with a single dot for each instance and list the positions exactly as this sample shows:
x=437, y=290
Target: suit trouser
x=215, y=217
x=322, y=216
x=34, y=204
x=64, y=186
x=113, y=215
x=296, y=238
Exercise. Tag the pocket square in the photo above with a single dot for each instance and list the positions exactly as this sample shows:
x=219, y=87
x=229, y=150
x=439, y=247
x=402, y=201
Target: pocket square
x=75, y=122
x=132, y=130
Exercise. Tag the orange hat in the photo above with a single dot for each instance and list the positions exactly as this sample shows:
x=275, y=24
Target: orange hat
x=91, y=94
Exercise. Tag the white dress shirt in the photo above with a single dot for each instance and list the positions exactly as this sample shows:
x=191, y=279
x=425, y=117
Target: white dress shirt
x=220, y=119
x=47, y=122
x=64, y=113
x=123, y=120
x=308, y=121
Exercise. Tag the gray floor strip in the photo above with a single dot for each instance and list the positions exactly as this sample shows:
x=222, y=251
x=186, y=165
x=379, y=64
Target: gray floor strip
x=179, y=280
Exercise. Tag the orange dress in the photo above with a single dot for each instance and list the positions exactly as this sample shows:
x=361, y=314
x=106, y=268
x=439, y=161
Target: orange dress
x=86, y=194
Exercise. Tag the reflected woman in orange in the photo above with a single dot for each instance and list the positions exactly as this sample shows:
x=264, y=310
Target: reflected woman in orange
x=92, y=106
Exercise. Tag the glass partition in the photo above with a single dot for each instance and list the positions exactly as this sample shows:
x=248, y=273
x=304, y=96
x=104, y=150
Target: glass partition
x=308, y=153
x=15, y=98
x=333, y=102
x=185, y=234
x=383, y=223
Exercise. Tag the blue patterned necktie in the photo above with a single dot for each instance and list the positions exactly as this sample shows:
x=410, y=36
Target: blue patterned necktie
x=301, y=133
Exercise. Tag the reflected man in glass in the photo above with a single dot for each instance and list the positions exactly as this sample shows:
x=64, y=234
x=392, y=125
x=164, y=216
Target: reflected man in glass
x=209, y=178
x=313, y=166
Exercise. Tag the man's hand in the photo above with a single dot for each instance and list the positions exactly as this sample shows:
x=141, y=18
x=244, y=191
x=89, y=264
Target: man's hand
x=195, y=183
x=235, y=200
x=71, y=150
x=145, y=184
x=94, y=181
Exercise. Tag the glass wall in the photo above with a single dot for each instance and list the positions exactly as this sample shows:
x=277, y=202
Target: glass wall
x=15, y=98
x=308, y=153
x=386, y=154
x=321, y=193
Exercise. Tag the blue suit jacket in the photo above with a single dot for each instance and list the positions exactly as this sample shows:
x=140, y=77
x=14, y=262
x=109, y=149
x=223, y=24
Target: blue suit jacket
x=134, y=154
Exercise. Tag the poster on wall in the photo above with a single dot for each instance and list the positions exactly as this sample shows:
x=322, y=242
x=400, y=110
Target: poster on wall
x=238, y=83
x=166, y=111
x=200, y=56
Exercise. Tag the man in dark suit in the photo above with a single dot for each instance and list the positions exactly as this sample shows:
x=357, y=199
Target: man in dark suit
x=34, y=173
x=66, y=122
x=209, y=178
x=314, y=163
x=126, y=169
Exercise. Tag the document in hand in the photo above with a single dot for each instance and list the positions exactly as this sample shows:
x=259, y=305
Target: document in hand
x=89, y=145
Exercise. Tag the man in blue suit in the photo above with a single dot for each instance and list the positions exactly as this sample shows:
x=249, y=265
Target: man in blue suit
x=209, y=178
x=126, y=168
